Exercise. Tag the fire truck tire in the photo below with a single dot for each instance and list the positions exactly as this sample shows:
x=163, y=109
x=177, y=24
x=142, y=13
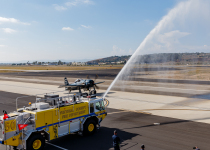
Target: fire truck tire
x=36, y=142
x=15, y=148
x=89, y=127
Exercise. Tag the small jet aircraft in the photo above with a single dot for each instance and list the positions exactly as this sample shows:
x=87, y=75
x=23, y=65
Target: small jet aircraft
x=79, y=84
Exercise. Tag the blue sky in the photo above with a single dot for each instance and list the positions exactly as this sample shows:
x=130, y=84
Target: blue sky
x=76, y=29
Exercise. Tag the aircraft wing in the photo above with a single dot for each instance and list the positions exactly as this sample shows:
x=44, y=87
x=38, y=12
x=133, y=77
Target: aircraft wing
x=100, y=82
x=70, y=86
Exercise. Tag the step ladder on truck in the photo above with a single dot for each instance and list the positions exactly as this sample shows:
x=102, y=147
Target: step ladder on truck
x=51, y=117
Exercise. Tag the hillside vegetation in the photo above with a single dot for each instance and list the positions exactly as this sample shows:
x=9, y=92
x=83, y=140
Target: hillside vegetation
x=175, y=58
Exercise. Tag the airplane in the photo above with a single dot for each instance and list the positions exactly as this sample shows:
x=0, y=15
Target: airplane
x=85, y=84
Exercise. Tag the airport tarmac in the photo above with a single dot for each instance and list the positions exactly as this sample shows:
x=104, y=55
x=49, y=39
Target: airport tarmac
x=134, y=129
x=173, y=88
x=103, y=74
x=196, y=108
x=184, y=119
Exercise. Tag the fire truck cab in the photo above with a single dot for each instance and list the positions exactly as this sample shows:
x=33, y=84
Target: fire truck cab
x=51, y=117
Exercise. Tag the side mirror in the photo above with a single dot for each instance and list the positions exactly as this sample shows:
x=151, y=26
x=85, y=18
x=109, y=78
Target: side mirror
x=4, y=111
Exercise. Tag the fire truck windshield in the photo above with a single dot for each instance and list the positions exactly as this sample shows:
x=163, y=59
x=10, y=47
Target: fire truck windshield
x=100, y=106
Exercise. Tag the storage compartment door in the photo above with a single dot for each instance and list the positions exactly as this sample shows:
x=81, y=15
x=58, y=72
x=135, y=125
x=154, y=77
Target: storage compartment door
x=63, y=130
x=75, y=126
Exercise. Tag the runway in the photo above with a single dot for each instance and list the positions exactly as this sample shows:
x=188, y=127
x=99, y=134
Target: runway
x=195, y=108
x=103, y=74
x=170, y=89
x=139, y=84
x=134, y=129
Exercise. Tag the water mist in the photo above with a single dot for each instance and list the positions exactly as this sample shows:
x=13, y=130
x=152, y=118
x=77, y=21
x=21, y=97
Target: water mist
x=175, y=32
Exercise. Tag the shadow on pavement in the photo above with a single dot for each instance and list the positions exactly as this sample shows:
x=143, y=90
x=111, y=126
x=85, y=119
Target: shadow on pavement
x=101, y=140
x=161, y=123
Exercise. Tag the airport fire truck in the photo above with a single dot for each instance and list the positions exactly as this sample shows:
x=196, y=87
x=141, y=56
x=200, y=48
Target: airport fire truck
x=50, y=117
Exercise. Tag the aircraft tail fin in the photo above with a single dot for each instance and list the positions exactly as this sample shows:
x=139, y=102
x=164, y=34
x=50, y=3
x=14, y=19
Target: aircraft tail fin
x=66, y=82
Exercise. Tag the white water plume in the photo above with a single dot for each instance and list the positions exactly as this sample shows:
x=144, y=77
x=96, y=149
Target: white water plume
x=184, y=29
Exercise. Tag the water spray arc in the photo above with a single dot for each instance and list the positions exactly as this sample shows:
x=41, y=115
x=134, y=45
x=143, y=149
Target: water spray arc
x=168, y=26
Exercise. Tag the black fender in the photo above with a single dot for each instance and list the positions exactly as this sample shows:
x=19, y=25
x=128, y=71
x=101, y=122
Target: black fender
x=42, y=132
x=92, y=118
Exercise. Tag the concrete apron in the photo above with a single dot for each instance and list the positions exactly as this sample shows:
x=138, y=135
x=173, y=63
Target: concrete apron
x=194, y=109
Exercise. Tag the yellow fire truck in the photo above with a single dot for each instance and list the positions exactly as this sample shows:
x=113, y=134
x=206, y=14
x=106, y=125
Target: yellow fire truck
x=50, y=117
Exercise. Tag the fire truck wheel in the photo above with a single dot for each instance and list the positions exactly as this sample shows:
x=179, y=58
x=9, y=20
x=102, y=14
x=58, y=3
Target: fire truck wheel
x=15, y=148
x=90, y=127
x=36, y=142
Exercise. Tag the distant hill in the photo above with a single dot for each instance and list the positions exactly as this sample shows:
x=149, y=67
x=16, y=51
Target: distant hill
x=109, y=60
x=178, y=58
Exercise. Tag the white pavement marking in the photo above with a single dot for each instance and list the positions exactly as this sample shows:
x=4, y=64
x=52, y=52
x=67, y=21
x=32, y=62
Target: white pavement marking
x=57, y=146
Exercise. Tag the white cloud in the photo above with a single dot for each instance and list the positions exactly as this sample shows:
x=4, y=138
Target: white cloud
x=59, y=8
x=2, y=45
x=166, y=42
x=171, y=38
x=72, y=3
x=184, y=29
x=175, y=34
x=77, y=2
x=119, y=52
x=11, y=20
x=8, y=30
x=130, y=51
x=67, y=29
x=87, y=2
x=86, y=26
